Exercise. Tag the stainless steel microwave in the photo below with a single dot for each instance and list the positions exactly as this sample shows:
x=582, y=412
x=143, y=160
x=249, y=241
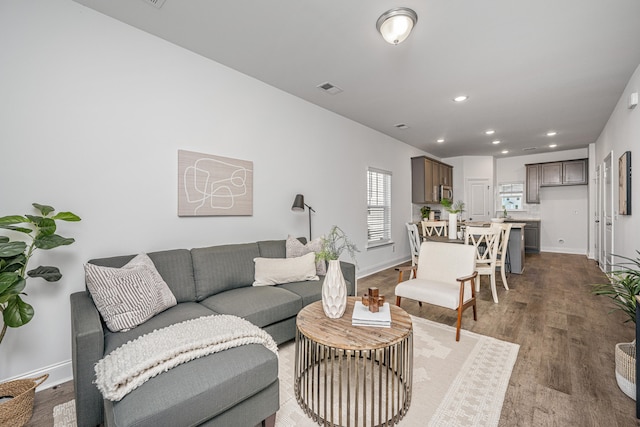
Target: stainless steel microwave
x=446, y=192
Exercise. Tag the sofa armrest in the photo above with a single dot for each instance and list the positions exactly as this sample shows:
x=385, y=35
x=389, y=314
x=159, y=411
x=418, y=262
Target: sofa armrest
x=87, y=348
x=349, y=274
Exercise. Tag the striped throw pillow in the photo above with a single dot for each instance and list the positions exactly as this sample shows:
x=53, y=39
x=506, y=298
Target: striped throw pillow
x=129, y=296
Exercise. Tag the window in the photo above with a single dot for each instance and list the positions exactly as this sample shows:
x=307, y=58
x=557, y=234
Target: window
x=511, y=196
x=378, y=207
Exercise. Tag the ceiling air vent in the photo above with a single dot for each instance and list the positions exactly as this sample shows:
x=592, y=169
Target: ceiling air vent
x=155, y=3
x=529, y=148
x=402, y=126
x=329, y=88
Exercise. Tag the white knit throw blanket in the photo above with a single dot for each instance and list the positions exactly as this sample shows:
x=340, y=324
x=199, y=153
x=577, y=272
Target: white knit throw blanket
x=132, y=364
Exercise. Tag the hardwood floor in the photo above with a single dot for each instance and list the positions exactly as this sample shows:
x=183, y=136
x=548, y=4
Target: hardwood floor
x=564, y=374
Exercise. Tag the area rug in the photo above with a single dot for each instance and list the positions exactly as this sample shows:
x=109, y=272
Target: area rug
x=454, y=383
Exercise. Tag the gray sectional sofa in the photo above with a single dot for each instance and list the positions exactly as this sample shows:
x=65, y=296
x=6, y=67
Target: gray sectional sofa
x=235, y=387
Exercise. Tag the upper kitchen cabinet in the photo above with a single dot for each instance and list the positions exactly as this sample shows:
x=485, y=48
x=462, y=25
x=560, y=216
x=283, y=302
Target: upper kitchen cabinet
x=568, y=172
x=427, y=175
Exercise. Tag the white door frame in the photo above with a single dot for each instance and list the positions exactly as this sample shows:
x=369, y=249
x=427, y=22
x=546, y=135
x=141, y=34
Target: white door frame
x=607, y=214
x=487, y=195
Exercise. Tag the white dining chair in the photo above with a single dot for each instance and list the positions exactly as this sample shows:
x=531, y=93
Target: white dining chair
x=431, y=228
x=485, y=242
x=505, y=231
x=414, y=242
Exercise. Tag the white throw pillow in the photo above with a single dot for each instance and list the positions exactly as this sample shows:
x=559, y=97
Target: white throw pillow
x=274, y=271
x=129, y=296
x=295, y=248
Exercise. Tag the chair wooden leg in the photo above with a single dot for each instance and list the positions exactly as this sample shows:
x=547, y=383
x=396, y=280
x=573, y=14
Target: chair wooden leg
x=398, y=301
x=420, y=303
x=459, y=323
x=504, y=278
x=494, y=292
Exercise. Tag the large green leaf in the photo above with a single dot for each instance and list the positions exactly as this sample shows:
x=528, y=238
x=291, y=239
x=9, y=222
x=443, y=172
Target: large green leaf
x=44, y=209
x=17, y=313
x=52, y=241
x=35, y=219
x=66, y=216
x=13, y=263
x=47, y=227
x=15, y=228
x=12, y=249
x=50, y=274
x=14, y=289
x=7, y=279
x=4, y=239
x=13, y=219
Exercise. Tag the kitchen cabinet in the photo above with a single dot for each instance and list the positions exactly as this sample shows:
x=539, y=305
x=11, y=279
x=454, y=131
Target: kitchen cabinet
x=533, y=184
x=426, y=177
x=552, y=174
x=571, y=172
x=531, y=235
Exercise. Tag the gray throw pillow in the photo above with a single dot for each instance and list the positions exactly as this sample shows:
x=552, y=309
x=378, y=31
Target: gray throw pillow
x=129, y=296
x=295, y=249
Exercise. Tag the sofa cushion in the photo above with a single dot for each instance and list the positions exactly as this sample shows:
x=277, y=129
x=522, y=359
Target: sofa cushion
x=273, y=271
x=187, y=395
x=174, y=266
x=179, y=313
x=295, y=248
x=222, y=268
x=262, y=305
x=308, y=291
x=272, y=248
x=128, y=296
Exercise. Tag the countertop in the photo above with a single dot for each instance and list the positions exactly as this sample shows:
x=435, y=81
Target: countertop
x=522, y=220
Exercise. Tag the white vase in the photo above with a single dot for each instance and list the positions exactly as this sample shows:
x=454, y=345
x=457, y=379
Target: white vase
x=334, y=291
x=453, y=225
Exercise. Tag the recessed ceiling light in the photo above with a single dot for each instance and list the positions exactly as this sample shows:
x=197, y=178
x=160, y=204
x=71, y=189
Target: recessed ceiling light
x=552, y=133
x=402, y=126
x=504, y=151
x=497, y=141
x=461, y=98
x=553, y=145
x=489, y=131
x=440, y=141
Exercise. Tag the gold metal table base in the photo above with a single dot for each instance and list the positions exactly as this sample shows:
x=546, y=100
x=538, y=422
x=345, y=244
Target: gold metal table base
x=338, y=387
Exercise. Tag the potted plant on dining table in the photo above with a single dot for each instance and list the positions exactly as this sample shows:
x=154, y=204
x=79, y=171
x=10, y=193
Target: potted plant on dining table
x=454, y=210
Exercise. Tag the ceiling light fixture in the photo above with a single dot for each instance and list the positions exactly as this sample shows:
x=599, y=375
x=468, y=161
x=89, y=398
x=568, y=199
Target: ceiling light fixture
x=497, y=141
x=440, y=141
x=461, y=98
x=552, y=133
x=553, y=145
x=505, y=151
x=489, y=131
x=396, y=24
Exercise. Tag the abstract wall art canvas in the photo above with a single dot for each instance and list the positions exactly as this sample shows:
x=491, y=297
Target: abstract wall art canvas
x=211, y=185
x=624, y=184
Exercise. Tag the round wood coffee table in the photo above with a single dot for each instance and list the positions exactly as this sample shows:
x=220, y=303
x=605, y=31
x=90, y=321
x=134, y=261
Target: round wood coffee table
x=353, y=375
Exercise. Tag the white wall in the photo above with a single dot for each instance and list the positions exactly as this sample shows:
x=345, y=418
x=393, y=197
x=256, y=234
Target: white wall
x=93, y=113
x=563, y=211
x=470, y=167
x=621, y=134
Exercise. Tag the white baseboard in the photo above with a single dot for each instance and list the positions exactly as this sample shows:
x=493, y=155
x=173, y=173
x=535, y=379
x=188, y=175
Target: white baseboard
x=58, y=373
x=572, y=251
x=382, y=266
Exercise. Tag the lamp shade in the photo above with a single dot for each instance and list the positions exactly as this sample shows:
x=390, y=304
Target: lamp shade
x=298, y=203
x=395, y=25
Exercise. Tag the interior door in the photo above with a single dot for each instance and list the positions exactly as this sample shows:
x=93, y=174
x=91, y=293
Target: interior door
x=607, y=210
x=597, y=218
x=479, y=205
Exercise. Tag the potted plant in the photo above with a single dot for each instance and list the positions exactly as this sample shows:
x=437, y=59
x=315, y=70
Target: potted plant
x=15, y=256
x=454, y=209
x=334, y=288
x=425, y=211
x=623, y=287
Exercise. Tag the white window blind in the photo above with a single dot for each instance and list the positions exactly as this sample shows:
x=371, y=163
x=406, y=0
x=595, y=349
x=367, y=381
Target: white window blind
x=378, y=206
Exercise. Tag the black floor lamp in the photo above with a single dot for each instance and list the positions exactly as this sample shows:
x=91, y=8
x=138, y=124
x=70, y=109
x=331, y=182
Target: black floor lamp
x=298, y=206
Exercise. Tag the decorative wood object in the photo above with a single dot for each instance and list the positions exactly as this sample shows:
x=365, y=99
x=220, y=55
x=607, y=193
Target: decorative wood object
x=212, y=185
x=373, y=300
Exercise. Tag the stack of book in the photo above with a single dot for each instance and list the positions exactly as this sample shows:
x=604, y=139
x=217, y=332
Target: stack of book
x=363, y=317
